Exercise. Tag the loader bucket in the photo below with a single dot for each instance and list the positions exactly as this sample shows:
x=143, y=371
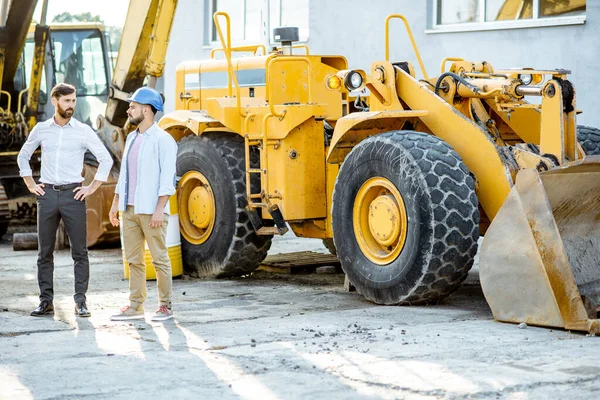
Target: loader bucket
x=540, y=258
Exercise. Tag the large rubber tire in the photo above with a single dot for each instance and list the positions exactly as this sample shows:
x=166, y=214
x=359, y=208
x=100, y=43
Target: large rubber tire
x=233, y=248
x=442, y=218
x=589, y=138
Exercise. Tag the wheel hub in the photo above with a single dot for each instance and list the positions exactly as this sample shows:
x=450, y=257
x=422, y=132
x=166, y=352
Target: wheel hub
x=380, y=220
x=384, y=220
x=199, y=207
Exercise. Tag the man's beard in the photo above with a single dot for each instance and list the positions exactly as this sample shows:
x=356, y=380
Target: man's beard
x=136, y=121
x=68, y=113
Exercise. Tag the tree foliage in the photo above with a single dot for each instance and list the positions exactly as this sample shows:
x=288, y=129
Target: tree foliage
x=114, y=32
x=82, y=17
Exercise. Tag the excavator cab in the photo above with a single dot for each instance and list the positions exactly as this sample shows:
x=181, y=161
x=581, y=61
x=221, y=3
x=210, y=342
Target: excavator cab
x=78, y=55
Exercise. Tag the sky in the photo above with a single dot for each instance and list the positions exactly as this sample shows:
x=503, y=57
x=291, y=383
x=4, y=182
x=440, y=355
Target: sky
x=113, y=12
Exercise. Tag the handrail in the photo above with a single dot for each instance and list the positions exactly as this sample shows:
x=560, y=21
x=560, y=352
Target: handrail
x=299, y=46
x=21, y=93
x=9, y=97
x=286, y=59
x=254, y=48
x=227, y=49
x=246, y=134
x=410, y=35
x=445, y=60
x=265, y=182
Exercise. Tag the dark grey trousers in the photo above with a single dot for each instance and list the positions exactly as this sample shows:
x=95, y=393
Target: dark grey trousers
x=51, y=207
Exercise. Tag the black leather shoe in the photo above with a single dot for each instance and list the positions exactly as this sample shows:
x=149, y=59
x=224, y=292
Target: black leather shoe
x=81, y=309
x=45, y=308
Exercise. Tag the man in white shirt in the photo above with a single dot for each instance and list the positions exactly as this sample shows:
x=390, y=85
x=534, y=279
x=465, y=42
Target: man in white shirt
x=64, y=141
x=146, y=182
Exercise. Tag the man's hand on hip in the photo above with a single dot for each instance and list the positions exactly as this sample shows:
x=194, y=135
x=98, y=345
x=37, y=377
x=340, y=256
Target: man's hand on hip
x=34, y=188
x=37, y=189
x=82, y=192
x=157, y=219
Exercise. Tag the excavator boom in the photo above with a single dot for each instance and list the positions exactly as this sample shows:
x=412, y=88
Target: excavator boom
x=13, y=34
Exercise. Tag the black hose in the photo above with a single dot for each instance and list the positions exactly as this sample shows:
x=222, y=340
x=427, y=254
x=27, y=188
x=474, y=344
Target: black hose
x=456, y=77
x=427, y=82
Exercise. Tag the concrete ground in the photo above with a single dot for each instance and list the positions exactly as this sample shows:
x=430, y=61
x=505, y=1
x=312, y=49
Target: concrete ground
x=273, y=336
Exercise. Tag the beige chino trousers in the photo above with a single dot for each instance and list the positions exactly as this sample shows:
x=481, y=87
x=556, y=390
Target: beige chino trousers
x=136, y=231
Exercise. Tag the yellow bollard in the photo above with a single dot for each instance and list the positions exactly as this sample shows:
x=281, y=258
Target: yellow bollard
x=173, y=245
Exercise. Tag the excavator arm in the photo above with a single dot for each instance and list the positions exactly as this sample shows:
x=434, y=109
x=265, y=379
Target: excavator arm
x=13, y=34
x=141, y=54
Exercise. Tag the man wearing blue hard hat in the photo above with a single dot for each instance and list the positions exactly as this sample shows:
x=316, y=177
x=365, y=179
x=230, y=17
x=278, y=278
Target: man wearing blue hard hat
x=146, y=182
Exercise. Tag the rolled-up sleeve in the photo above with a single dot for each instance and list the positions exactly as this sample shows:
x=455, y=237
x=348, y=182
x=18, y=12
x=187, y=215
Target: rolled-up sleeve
x=102, y=155
x=168, y=157
x=32, y=143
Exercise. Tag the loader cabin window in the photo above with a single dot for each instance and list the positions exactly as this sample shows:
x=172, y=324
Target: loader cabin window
x=79, y=59
x=466, y=15
x=249, y=16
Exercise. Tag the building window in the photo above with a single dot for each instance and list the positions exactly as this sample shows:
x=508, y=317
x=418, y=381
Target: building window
x=461, y=15
x=245, y=17
x=248, y=18
x=289, y=13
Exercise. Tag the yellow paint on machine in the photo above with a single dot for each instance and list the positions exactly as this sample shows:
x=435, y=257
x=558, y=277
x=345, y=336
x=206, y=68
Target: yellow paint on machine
x=173, y=245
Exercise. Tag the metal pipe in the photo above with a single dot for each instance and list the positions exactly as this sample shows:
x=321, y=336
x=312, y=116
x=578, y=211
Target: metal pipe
x=151, y=81
x=252, y=48
x=523, y=90
x=21, y=93
x=226, y=45
x=286, y=48
x=3, y=12
x=44, y=13
x=410, y=36
x=445, y=60
x=9, y=98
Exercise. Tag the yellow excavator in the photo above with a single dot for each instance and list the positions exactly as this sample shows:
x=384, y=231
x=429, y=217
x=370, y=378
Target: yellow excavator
x=403, y=173
x=35, y=58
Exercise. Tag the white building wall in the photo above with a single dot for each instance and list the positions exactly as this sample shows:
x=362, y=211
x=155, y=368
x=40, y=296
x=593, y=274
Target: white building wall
x=355, y=29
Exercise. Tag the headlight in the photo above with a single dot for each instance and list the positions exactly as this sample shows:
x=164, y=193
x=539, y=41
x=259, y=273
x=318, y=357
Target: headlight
x=333, y=82
x=526, y=78
x=353, y=81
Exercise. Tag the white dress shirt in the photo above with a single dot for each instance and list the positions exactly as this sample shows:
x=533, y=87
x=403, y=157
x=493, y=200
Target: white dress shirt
x=63, y=149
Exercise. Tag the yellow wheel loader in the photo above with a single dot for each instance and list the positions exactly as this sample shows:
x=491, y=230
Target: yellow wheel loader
x=403, y=173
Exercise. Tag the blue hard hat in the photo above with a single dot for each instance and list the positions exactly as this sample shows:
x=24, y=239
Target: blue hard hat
x=146, y=95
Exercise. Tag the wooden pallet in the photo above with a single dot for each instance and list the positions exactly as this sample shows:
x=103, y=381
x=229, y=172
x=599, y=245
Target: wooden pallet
x=298, y=262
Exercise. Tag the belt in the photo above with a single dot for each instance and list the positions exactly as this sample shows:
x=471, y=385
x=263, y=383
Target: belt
x=66, y=186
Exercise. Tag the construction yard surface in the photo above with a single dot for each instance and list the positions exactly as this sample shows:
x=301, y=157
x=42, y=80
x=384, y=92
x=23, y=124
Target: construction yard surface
x=274, y=336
